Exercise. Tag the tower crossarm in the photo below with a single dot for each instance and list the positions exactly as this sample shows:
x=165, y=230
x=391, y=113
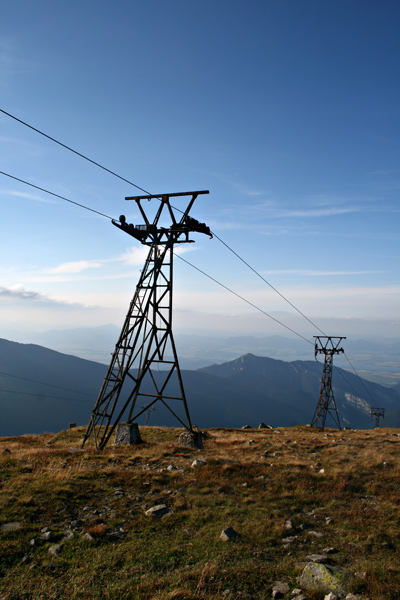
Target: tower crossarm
x=180, y=228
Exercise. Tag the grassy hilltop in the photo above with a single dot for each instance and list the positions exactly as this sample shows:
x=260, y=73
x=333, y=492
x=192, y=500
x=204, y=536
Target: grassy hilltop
x=315, y=490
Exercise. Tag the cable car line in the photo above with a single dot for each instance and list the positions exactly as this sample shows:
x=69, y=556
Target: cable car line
x=56, y=195
x=242, y=298
x=143, y=190
x=48, y=384
x=74, y=151
x=146, y=192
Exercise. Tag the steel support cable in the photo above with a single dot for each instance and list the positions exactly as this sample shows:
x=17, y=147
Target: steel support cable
x=349, y=384
x=74, y=151
x=56, y=195
x=143, y=190
x=267, y=282
x=56, y=397
x=242, y=298
x=190, y=264
x=355, y=372
x=48, y=384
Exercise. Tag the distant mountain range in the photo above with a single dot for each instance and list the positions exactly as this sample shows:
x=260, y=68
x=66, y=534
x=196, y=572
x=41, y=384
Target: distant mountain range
x=374, y=359
x=247, y=390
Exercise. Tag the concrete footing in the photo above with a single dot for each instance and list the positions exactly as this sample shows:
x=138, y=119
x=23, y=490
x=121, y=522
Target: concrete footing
x=127, y=434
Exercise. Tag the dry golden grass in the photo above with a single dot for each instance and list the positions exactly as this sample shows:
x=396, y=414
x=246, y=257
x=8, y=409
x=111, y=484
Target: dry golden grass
x=252, y=480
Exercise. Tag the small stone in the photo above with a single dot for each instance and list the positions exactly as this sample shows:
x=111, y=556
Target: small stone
x=229, y=535
x=331, y=596
x=317, y=558
x=34, y=566
x=160, y=511
x=26, y=559
x=56, y=550
x=290, y=539
x=7, y=451
x=45, y=536
x=68, y=535
x=321, y=471
x=288, y=525
x=88, y=537
x=279, y=590
x=316, y=534
x=330, y=550
x=12, y=526
x=329, y=521
x=33, y=542
x=296, y=591
x=247, y=427
x=171, y=468
x=45, y=530
x=198, y=462
x=77, y=523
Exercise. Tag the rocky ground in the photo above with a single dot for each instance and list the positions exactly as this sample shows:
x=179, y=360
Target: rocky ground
x=257, y=513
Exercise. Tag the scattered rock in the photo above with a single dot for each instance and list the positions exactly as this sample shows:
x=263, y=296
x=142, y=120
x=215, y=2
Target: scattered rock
x=317, y=534
x=77, y=523
x=12, y=526
x=330, y=550
x=229, y=535
x=331, y=596
x=288, y=525
x=247, y=427
x=198, y=462
x=7, y=451
x=33, y=542
x=329, y=521
x=290, y=539
x=45, y=529
x=262, y=426
x=26, y=559
x=56, y=550
x=45, y=536
x=279, y=590
x=317, y=558
x=171, y=468
x=160, y=511
x=88, y=537
x=68, y=535
x=324, y=578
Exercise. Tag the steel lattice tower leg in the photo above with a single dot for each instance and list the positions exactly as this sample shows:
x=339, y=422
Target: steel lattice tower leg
x=144, y=343
x=326, y=403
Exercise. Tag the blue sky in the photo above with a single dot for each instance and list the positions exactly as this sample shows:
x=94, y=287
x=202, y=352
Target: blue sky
x=287, y=111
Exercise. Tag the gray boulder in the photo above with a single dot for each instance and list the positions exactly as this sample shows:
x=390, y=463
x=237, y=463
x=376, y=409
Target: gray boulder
x=324, y=578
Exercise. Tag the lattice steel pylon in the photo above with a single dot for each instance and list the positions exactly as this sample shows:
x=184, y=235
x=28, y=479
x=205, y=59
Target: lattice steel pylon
x=146, y=341
x=326, y=403
x=377, y=413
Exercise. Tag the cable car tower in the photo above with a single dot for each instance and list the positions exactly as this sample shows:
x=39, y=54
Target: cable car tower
x=146, y=342
x=326, y=403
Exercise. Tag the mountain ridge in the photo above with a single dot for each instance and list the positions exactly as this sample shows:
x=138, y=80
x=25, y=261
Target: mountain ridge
x=249, y=389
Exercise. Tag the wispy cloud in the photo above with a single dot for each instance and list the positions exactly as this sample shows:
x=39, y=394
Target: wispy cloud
x=28, y=196
x=74, y=267
x=17, y=293
x=313, y=273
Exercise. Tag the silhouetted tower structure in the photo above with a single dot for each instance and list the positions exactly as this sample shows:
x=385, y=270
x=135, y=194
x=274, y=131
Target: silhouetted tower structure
x=146, y=342
x=377, y=413
x=328, y=346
